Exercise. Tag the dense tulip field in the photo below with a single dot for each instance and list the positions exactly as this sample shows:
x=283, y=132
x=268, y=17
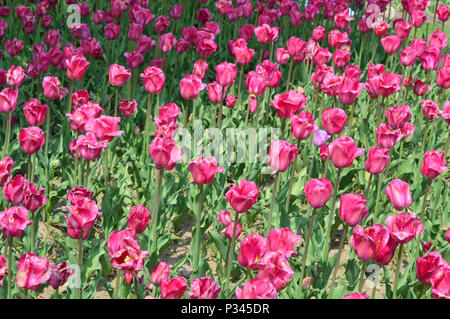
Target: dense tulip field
x=176, y=149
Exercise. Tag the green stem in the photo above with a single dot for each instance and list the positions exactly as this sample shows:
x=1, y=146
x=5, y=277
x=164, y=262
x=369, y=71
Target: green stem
x=305, y=254
x=330, y=218
x=197, y=229
x=366, y=194
x=147, y=124
x=397, y=271
x=424, y=137
x=117, y=102
x=116, y=291
x=69, y=101
x=231, y=250
x=338, y=259
x=274, y=194
x=361, y=278
x=86, y=177
x=155, y=210
x=106, y=169
x=377, y=199
x=80, y=262
x=8, y=132
x=424, y=205
x=289, y=74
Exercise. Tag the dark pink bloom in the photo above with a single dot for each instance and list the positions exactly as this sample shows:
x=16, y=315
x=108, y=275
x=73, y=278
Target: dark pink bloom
x=242, y=198
x=13, y=221
x=257, y=289
x=404, y=227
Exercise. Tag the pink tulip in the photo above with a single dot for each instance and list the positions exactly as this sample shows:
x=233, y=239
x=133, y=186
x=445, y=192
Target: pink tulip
x=408, y=56
x=441, y=283
x=165, y=153
x=386, y=136
x=399, y=194
x=343, y=151
x=138, y=218
x=229, y=230
x=428, y=265
x=257, y=289
x=302, y=125
x=204, y=169
x=31, y=139
x=350, y=89
x=398, y=115
x=127, y=108
x=226, y=73
x=253, y=247
x=430, y=109
x=357, y=295
x=404, y=227
x=83, y=215
x=8, y=100
x=173, y=288
x=160, y=273
x=13, y=221
x=76, y=67
x=118, y=75
x=391, y=43
x=433, y=164
x=334, y=120
x=443, y=12
x=125, y=253
x=190, y=87
x=153, y=79
x=34, y=199
x=32, y=271
x=35, y=112
x=15, y=76
x=242, y=198
x=281, y=154
x=104, y=127
x=353, y=209
x=373, y=243
x=266, y=34
x=282, y=240
x=318, y=191
x=274, y=267
x=289, y=103
x=430, y=58
x=377, y=159
x=204, y=288
x=77, y=193
x=200, y=69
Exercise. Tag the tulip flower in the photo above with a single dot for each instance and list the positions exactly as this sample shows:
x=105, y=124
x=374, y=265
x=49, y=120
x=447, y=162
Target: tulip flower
x=274, y=267
x=357, y=295
x=59, y=274
x=433, y=164
x=282, y=240
x=8, y=103
x=138, y=218
x=15, y=76
x=440, y=283
x=34, y=199
x=257, y=289
x=398, y=115
x=31, y=139
x=399, y=194
x=253, y=247
x=353, y=209
x=32, y=271
x=127, y=108
x=6, y=166
x=125, y=254
x=333, y=120
x=204, y=288
x=288, y=104
x=160, y=273
x=386, y=136
x=403, y=228
x=343, y=151
x=35, y=112
x=173, y=288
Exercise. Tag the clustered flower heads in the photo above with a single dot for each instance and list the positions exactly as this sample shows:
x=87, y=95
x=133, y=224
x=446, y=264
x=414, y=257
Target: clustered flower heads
x=97, y=120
